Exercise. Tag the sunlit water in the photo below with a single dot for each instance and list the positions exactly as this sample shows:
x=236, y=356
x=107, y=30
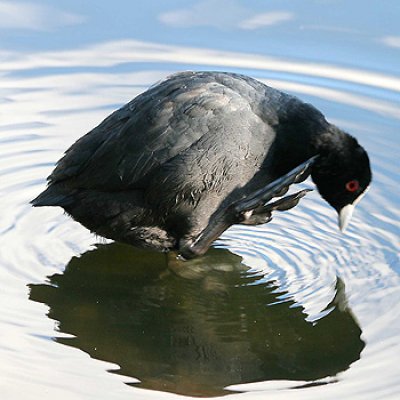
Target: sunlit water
x=294, y=309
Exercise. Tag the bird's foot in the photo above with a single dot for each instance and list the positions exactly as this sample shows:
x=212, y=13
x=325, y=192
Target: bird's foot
x=252, y=210
x=263, y=214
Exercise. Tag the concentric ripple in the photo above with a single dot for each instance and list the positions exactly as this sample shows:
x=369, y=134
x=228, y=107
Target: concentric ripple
x=300, y=253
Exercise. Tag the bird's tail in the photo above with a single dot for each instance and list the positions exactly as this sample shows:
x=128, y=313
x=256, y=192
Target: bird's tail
x=54, y=195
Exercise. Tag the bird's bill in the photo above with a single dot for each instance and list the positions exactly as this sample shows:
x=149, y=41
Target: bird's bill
x=346, y=212
x=345, y=216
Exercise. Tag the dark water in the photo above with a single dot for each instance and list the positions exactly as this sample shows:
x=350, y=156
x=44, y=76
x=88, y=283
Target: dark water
x=292, y=309
x=194, y=331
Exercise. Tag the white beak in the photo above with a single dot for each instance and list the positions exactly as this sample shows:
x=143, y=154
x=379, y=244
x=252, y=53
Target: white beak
x=345, y=216
x=347, y=211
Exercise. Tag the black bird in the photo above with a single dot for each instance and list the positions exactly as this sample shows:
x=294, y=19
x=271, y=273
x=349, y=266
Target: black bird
x=198, y=152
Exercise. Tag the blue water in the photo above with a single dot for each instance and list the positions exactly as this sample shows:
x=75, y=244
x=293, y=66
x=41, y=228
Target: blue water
x=294, y=309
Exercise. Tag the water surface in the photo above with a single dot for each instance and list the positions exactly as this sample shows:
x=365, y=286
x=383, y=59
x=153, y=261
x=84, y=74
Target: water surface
x=292, y=309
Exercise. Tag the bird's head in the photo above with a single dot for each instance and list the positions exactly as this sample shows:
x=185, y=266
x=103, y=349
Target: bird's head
x=342, y=173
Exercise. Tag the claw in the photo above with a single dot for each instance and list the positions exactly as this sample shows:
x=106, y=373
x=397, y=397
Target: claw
x=282, y=192
x=263, y=214
x=262, y=196
x=288, y=202
x=302, y=176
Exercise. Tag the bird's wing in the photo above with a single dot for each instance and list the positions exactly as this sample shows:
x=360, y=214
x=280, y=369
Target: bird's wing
x=152, y=129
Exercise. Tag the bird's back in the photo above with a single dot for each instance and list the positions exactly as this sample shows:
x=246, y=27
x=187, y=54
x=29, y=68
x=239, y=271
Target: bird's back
x=206, y=111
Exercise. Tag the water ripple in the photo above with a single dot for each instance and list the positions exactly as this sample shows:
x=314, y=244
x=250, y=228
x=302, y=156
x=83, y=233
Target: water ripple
x=300, y=252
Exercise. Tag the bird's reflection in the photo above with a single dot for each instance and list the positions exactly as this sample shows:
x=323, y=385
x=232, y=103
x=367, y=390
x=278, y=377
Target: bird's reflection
x=194, y=332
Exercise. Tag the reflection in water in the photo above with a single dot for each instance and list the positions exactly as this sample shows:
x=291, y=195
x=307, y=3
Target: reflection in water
x=196, y=330
x=170, y=331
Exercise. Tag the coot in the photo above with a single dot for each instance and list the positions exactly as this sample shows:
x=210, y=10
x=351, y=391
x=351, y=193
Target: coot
x=198, y=152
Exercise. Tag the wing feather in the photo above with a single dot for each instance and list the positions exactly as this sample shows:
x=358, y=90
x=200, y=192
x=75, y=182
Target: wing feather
x=152, y=129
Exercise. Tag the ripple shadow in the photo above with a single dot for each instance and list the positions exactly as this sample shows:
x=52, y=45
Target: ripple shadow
x=193, y=331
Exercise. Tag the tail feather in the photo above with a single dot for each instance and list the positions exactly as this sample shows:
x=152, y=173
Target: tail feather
x=54, y=195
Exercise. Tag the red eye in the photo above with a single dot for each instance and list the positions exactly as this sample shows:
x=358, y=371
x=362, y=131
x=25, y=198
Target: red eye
x=352, y=186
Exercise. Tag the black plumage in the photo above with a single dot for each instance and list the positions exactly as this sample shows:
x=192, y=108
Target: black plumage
x=175, y=164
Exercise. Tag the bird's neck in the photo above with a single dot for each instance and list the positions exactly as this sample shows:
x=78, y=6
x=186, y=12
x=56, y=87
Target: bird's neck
x=332, y=145
x=330, y=140
x=325, y=140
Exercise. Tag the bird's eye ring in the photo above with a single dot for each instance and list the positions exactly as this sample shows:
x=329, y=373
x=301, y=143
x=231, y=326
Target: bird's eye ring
x=352, y=186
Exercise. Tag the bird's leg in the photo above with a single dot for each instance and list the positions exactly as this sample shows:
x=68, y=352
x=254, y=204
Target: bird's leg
x=263, y=214
x=251, y=210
